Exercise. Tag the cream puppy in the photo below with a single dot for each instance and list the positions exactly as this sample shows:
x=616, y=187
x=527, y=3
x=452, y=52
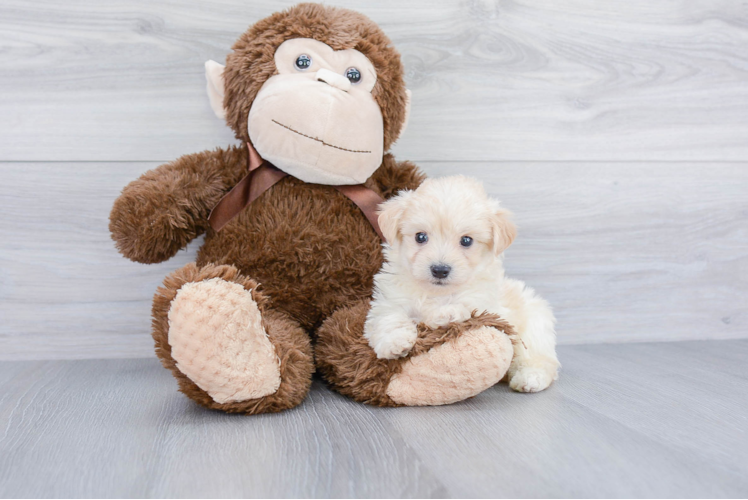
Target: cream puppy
x=444, y=259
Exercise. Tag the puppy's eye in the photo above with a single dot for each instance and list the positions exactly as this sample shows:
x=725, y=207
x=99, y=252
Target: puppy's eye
x=422, y=237
x=303, y=62
x=466, y=241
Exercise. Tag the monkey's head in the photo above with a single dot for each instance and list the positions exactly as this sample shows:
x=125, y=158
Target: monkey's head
x=317, y=90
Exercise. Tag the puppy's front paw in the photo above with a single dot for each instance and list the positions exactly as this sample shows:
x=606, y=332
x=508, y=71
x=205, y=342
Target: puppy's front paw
x=531, y=379
x=396, y=343
x=449, y=314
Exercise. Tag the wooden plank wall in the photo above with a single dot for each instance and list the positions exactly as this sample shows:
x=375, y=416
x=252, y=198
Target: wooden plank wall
x=616, y=131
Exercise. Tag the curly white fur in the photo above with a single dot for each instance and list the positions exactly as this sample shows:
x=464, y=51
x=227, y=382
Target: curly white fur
x=407, y=291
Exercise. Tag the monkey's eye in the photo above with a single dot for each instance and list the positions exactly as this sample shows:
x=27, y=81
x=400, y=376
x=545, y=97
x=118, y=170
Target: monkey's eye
x=303, y=62
x=422, y=237
x=353, y=75
x=466, y=241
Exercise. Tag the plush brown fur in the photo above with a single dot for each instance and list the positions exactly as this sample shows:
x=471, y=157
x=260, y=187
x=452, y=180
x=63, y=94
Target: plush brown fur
x=347, y=362
x=310, y=246
x=310, y=249
x=291, y=343
x=166, y=208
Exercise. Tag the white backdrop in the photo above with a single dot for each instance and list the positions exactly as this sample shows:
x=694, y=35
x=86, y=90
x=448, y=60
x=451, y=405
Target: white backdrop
x=616, y=131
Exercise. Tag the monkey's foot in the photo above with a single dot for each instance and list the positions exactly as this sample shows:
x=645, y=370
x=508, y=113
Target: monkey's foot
x=224, y=343
x=455, y=370
x=446, y=365
x=219, y=342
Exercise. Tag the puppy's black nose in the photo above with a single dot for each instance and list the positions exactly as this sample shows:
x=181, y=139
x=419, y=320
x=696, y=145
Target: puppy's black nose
x=440, y=271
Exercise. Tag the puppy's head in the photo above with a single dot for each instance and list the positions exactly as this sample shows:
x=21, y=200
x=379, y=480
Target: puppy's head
x=445, y=232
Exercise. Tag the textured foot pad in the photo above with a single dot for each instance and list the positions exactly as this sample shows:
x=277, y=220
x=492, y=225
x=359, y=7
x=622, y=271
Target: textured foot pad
x=454, y=371
x=218, y=341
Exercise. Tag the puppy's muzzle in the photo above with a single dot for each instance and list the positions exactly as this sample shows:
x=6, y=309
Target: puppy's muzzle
x=440, y=271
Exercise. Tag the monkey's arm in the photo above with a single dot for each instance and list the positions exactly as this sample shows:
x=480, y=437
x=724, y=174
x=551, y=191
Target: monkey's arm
x=167, y=207
x=394, y=176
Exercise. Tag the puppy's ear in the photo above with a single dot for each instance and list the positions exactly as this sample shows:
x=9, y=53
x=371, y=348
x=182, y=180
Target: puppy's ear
x=390, y=213
x=503, y=230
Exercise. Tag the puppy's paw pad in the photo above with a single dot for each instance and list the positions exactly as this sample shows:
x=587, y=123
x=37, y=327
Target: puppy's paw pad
x=530, y=380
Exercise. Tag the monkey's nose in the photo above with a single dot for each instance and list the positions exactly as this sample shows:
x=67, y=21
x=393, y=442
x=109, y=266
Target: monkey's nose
x=333, y=79
x=440, y=271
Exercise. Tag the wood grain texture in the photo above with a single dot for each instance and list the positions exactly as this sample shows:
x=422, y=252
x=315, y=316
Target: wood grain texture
x=491, y=80
x=616, y=131
x=623, y=252
x=636, y=420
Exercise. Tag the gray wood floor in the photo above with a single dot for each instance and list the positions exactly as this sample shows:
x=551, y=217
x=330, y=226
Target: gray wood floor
x=650, y=419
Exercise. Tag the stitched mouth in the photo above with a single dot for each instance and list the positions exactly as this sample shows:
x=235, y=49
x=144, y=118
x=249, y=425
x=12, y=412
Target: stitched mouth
x=318, y=140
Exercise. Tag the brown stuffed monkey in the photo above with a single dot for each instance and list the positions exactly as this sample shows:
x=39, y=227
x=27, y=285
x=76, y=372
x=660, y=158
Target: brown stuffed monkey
x=281, y=285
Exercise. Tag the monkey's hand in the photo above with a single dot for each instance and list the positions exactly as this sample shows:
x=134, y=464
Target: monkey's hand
x=166, y=208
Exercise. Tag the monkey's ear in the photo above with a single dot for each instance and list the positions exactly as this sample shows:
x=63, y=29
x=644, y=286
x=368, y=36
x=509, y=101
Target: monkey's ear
x=407, y=114
x=214, y=75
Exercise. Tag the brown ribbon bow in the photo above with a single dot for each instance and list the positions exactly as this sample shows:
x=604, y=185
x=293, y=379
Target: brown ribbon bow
x=263, y=175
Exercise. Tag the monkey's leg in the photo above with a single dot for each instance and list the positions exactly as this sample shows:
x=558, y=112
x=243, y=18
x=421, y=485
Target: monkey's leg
x=446, y=365
x=225, y=344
